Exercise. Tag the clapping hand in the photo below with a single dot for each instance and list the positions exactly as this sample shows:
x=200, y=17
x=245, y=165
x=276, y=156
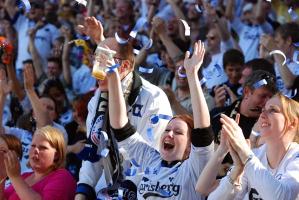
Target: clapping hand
x=235, y=137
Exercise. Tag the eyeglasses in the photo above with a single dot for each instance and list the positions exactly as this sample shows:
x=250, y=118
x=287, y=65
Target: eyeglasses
x=118, y=60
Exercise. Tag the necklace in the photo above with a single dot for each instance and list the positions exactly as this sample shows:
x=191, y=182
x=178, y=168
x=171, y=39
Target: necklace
x=275, y=170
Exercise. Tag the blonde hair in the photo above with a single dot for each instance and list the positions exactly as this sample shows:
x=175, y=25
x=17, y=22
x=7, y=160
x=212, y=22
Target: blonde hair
x=290, y=110
x=55, y=138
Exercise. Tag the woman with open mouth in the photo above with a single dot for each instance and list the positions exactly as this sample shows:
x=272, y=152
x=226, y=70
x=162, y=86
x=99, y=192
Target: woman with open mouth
x=185, y=146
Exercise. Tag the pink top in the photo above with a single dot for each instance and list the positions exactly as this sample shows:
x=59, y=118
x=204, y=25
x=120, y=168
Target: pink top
x=59, y=184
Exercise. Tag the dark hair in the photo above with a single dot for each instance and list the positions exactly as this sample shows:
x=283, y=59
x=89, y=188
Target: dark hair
x=233, y=57
x=287, y=30
x=80, y=104
x=54, y=83
x=50, y=83
x=259, y=75
x=55, y=60
x=13, y=144
x=260, y=64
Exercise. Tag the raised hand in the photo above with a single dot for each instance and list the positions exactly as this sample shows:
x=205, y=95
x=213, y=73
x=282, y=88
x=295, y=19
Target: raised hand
x=193, y=63
x=223, y=137
x=93, y=28
x=5, y=86
x=28, y=78
x=158, y=25
x=235, y=137
x=12, y=164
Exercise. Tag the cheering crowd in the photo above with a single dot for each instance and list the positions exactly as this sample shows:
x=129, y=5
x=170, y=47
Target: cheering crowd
x=196, y=99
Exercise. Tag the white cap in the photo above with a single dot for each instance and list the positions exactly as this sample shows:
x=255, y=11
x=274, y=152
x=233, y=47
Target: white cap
x=247, y=7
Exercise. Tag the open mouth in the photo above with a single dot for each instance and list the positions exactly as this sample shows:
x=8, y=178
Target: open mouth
x=168, y=146
x=265, y=124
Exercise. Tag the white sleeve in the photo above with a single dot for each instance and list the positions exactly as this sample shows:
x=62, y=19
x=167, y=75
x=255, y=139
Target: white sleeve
x=268, y=186
x=90, y=173
x=193, y=166
x=20, y=19
x=137, y=149
x=225, y=190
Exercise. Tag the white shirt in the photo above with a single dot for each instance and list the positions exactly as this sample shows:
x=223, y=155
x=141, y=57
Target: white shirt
x=82, y=80
x=261, y=182
x=250, y=37
x=214, y=72
x=44, y=39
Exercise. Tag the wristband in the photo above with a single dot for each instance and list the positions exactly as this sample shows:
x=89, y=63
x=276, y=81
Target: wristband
x=248, y=159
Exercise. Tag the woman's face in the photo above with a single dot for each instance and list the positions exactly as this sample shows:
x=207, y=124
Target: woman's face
x=175, y=141
x=42, y=154
x=272, y=120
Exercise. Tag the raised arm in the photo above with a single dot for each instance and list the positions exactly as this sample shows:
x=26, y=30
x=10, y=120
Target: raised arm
x=36, y=58
x=229, y=10
x=117, y=111
x=199, y=105
x=10, y=7
x=260, y=13
x=66, y=67
x=40, y=112
x=5, y=88
x=174, y=52
x=287, y=76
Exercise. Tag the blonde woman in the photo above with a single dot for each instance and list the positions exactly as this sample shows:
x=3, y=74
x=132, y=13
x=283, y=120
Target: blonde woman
x=270, y=171
x=49, y=180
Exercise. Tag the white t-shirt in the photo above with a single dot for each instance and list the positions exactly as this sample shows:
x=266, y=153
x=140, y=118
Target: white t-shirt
x=261, y=182
x=214, y=72
x=44, y=39
x=250, y=37
x=82, y=80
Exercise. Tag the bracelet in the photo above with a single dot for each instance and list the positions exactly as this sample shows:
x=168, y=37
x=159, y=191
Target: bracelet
x=248, y=159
